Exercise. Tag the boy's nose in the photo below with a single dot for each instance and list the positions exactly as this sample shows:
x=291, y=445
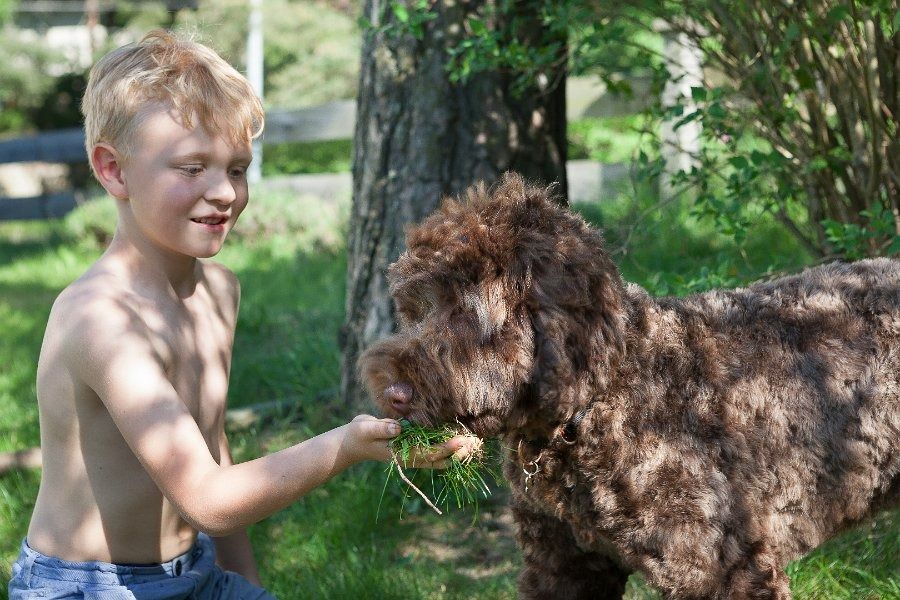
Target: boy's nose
x=221, y=191
x=399, y=395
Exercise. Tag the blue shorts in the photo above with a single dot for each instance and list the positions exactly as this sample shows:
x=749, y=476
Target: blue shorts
x=193, y=575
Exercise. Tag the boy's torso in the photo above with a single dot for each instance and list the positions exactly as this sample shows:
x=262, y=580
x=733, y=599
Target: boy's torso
x=96, y=502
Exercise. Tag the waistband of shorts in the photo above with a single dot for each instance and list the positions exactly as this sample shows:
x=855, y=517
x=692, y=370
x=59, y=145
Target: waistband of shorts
x=98, y=572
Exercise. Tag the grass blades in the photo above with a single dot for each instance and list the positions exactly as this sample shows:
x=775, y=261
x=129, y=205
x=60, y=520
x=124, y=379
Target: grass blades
x=461, y=484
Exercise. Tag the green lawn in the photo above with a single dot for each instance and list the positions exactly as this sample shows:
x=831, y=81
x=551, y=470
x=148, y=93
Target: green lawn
x=289, y=257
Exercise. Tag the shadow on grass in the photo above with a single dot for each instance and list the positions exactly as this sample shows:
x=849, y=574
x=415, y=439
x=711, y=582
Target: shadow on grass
x=345, y=540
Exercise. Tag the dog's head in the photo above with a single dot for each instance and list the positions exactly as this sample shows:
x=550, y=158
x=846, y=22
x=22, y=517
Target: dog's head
x=510, y=314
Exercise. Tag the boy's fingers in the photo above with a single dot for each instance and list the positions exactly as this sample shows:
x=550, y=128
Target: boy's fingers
x=422, y=462
x=378, y=428
x=438, y=457
x=449, y=447
x=389, y=428
x=434, y=459
x=457, y=442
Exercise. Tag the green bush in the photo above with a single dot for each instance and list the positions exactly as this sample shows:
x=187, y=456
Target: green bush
x=29, y=95
x=797, y=102
x=309, y=222
x=291, y=158
x=93, y=223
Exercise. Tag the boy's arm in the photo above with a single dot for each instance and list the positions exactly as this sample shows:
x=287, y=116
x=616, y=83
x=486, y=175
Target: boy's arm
x=110, y=349
x=234, y=552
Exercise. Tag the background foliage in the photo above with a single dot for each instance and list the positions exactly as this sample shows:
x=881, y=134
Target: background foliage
x=799, y=103
x=311, y=55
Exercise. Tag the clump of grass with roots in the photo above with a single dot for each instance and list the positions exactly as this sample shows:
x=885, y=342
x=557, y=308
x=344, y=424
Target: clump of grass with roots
x=462, y=483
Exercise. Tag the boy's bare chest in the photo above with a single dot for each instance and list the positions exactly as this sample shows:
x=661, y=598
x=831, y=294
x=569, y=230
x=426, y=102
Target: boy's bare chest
x=195, y=342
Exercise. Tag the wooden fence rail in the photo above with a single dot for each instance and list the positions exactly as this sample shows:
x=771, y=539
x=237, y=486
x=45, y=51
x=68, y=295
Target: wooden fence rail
x=332, y=121
x=61, y=146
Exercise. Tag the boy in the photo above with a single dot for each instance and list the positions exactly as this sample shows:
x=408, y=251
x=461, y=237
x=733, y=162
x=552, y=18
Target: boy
x=133, y=371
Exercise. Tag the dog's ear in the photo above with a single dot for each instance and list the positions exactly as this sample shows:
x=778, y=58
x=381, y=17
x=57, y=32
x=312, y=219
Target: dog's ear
x=573, y=294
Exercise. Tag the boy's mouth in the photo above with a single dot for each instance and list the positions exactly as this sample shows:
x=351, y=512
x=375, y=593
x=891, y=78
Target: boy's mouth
x=210, y=220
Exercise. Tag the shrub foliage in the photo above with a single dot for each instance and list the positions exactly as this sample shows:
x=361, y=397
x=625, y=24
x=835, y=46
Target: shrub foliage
x=799, y=102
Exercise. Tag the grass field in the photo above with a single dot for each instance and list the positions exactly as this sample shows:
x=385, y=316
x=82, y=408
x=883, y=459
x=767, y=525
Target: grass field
x=332, y=544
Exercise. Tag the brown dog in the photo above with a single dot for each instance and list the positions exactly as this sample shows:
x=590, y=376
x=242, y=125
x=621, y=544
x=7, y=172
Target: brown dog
x=705, y=441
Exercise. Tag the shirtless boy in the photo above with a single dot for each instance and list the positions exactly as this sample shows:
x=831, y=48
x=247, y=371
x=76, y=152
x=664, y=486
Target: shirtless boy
x=133, y=372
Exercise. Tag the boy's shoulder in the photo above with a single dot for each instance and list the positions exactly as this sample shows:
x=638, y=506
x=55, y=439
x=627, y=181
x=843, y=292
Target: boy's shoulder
x=100, y=289
x=223, y=284
x=94, y=312
x=93, y=296
x=101, y=313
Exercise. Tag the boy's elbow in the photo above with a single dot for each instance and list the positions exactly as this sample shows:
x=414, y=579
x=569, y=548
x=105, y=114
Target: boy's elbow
x=209, y=511
x=219, y=529
x=212, y=522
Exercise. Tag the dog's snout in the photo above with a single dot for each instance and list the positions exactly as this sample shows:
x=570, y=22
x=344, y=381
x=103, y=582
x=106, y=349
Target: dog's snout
x=399, y=395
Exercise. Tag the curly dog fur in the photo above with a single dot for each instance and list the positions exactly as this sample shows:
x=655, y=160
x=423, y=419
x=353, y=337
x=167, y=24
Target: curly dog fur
x=705, y=441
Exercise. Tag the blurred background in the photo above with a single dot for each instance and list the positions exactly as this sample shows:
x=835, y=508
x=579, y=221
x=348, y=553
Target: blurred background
x=701, y=173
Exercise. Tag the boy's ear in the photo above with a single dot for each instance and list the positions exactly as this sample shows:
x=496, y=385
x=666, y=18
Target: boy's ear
x=107, y=163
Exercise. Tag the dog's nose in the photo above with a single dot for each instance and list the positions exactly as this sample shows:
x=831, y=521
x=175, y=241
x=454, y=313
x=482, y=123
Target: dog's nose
x=399, y=395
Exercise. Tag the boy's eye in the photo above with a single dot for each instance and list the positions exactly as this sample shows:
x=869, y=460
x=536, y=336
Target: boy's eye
x=191, y=169
x=238, y=172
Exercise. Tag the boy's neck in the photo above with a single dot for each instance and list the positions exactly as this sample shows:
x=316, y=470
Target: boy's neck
x=153, y=266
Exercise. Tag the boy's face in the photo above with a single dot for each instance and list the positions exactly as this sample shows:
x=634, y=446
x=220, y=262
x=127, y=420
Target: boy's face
x=185, y=187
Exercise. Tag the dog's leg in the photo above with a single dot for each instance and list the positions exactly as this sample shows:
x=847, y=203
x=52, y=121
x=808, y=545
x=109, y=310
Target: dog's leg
x=556, y=568
x=761, y=578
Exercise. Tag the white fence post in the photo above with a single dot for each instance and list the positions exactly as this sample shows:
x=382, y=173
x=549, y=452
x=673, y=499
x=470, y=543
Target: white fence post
x=255, y=76
x=680, y=146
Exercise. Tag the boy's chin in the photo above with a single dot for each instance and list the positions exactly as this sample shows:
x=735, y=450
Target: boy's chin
x=209, y=253
x=205, y=251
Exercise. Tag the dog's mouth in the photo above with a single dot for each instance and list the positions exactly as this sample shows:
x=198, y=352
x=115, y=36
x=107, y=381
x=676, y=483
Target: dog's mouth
x=480, y=426
x=422, y=416
x=402, y=400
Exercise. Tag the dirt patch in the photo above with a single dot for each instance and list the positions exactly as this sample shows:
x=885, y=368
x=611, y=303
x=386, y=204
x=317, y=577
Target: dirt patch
x=478, y=548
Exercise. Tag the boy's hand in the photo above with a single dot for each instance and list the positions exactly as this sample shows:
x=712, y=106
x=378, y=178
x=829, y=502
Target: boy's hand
x=368, y=438
x=438, y=456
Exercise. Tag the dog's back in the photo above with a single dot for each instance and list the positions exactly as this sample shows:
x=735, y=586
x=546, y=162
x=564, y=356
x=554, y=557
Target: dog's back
x=806, y=370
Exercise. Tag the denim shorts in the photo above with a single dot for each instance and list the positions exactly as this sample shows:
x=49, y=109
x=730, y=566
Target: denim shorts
x=193, y=575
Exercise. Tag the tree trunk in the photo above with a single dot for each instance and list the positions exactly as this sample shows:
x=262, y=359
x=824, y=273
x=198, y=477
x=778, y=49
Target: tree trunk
x=419, y=138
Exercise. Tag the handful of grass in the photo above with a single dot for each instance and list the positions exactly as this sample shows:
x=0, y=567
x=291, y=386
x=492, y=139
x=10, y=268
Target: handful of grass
x=462, y=481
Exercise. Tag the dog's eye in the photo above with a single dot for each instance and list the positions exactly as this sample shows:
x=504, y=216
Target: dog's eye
x=409, y=312
x=414, y=308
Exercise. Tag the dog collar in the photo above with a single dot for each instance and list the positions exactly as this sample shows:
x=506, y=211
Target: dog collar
x=567, y=434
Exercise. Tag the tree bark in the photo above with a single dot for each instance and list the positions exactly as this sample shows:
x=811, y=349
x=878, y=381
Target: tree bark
x=420, y=137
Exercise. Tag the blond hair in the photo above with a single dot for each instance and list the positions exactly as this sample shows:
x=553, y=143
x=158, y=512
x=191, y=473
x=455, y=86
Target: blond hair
x=127, y=83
